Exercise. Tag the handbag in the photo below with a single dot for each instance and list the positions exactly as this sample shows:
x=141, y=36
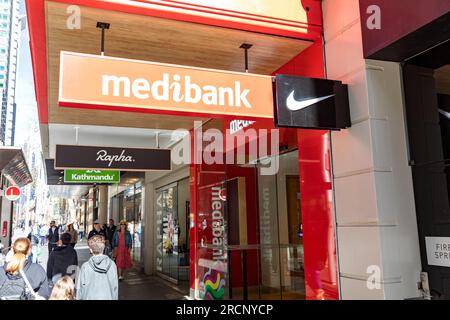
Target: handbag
x=29, y=293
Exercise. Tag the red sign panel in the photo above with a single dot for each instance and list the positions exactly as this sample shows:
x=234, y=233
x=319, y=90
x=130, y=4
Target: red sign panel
x=12, y=193
x=5, y=229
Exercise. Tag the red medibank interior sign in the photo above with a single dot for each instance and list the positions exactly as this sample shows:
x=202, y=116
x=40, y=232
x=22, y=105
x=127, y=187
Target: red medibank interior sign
x=131, y=85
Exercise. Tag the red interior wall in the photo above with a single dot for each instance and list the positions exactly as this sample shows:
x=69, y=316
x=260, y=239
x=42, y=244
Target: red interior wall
x=319, y=243
x=315, y=189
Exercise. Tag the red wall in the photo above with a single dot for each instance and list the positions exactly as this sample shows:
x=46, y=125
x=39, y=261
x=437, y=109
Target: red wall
x=320, y=261
x=398, y=19
x=319, y=242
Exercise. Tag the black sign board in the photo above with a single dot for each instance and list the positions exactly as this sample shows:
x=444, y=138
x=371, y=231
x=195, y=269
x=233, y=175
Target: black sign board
x=311, y=103
x=129, y=159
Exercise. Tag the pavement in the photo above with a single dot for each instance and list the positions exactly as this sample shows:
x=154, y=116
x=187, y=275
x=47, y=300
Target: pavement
x=135, y=286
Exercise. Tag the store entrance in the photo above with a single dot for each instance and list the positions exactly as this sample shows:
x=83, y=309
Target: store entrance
x=280, y=229
x=250, y=225
x=427, y=99
x=127, y=205
x=172, y=232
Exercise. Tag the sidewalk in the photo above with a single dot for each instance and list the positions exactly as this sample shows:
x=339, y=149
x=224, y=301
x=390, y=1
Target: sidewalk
x=136, y=286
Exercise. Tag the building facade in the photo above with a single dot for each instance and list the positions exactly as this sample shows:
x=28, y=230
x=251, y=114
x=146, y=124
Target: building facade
x=11, y=25
x=338, y=219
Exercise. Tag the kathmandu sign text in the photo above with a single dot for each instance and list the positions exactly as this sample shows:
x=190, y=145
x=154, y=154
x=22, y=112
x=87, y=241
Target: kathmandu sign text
x=92, y=81
x=91, y=176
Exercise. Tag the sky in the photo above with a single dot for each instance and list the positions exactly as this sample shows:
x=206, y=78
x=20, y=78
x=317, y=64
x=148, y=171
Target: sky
x=25, y=94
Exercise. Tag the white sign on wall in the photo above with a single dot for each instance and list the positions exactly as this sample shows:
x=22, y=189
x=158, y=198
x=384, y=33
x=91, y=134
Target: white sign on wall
x=438, y=251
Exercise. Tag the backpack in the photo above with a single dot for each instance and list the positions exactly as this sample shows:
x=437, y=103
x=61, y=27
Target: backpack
x=13, y=290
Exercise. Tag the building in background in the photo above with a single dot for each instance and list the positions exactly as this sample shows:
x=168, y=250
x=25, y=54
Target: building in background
x=11, y=25
x=34, y=206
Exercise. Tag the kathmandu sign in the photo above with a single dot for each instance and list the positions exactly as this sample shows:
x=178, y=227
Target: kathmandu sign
x=92, y=81
x=91, y=176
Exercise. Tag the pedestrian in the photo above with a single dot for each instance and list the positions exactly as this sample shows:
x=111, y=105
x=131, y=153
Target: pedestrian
x=64, y=289
x=110, y=231
x=52, y=237
x=122, y=244
x=73, y=234
x=2, y=255
x=61, y=259
x=43, y=234
x=30, y=237
x=98, y=276
x=12, y=283
x=81, y=231
x=97, y=230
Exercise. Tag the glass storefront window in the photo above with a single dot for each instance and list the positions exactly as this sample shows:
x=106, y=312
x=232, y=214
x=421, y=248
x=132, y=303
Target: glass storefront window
x=253, y=230
x=167, y=232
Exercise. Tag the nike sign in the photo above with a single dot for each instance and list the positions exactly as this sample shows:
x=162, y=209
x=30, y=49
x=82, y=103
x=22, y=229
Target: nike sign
x=311, y=103
x=295, y=105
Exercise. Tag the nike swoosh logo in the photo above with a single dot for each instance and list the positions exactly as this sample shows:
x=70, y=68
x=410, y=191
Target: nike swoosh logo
x=295, y=105
x=445, y=113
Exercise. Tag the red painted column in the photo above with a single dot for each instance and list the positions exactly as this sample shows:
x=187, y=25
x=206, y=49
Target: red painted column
x=319, y=241
x=316, y=193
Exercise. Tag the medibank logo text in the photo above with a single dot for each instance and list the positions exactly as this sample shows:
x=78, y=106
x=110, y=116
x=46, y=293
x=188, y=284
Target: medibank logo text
x=177, y=89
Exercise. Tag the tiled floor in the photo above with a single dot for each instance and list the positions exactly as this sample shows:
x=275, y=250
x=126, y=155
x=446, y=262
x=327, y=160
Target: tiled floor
x=137, y=286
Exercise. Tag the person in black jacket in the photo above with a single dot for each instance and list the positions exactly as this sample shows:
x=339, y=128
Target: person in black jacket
x=97, y=230
x=52, y=237
x=110, y=230
x=61, y=258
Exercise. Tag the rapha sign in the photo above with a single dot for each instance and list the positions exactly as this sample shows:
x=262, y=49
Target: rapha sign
x=111, y=158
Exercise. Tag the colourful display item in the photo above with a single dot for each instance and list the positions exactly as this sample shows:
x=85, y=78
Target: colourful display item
x=91, y=176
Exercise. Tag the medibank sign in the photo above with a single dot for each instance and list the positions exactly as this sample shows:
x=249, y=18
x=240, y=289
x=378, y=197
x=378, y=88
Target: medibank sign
x=130, y=85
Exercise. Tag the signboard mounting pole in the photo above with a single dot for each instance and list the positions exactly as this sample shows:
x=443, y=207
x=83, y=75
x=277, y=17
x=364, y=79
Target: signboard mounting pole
x=246, y=46
x=103, y=26
x=76, y=134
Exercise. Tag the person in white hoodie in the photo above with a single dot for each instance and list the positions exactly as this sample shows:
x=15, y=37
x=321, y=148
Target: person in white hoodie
x=98, y=276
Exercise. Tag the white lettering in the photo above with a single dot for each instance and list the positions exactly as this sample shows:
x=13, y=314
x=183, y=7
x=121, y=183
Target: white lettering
x=141, y=85
x=167, y=90
x=103, y=155
x=116, y=85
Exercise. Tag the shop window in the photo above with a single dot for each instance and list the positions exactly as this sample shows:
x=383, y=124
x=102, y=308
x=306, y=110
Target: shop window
x=172, y=229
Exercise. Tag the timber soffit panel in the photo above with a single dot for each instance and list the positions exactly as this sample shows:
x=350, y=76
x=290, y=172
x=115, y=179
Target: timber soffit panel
x=442, y=76
x=159, y=40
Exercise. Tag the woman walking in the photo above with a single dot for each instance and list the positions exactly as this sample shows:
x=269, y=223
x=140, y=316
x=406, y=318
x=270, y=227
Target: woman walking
x=122, y=244
x=73, y=235
x=19, y=270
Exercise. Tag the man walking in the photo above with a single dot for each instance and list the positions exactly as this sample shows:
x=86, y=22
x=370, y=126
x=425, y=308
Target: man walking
x=52, y=237
x=98, y=276
x=61, y=258
x=97, y=231
x=110, y=230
